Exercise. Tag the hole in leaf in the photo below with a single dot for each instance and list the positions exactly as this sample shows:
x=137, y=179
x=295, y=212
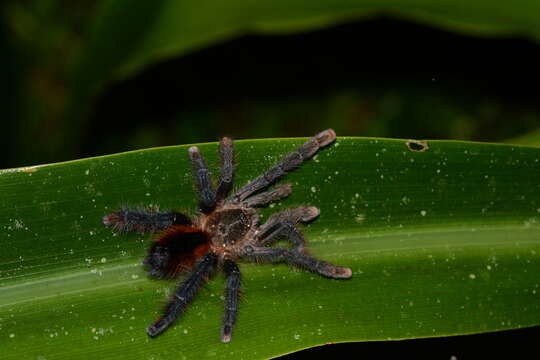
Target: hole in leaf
x=417, y=145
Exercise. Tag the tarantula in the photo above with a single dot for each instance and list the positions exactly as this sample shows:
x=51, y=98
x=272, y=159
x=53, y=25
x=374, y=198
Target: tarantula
x=227, y=229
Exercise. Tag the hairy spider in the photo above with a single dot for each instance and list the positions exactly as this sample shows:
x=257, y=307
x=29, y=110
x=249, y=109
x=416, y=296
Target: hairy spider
x=227, y=229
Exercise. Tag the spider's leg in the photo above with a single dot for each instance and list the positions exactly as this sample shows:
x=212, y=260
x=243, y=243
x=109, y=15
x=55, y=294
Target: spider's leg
x=295, y=258
x=184, y=294
x=267, y=197
x=226, y=152
x=283, y=225
x=232, y=273
x=207, y=195
x=287, y=164
x=143, y=220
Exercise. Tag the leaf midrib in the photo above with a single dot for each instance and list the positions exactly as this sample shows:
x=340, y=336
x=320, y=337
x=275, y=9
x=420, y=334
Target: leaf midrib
x=345, y=252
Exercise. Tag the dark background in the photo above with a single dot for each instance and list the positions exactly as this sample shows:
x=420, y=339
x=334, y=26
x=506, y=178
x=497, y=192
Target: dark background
x=515, y=344
x=379, y=77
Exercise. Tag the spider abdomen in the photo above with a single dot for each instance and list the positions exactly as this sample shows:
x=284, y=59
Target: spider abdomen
x=228, y=226
x=175, y=250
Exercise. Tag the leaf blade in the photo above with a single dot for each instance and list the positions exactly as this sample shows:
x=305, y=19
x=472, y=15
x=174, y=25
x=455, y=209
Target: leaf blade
x=436, y=247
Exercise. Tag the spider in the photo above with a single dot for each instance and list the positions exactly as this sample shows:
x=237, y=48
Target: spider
x=226, y=230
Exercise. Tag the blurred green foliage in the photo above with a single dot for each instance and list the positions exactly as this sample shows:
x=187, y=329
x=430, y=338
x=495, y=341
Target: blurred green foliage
x=95, y=77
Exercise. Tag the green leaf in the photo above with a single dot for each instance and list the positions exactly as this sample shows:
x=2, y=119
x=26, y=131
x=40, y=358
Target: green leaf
x=532, y=138
x=127, y=37
x=441, y=242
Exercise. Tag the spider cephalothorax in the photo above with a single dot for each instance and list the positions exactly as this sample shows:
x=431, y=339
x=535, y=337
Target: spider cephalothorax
x=227, y=229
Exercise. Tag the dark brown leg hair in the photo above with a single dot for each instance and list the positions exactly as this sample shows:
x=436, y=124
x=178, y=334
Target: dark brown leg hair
x=226, y=152
x=289, y=163
x=282, y=225
x=286, y=232
x=184, y=294
x=207, y=195
x=143, y=220
x=295, y=258
x=232, y=273
x=267, y=197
